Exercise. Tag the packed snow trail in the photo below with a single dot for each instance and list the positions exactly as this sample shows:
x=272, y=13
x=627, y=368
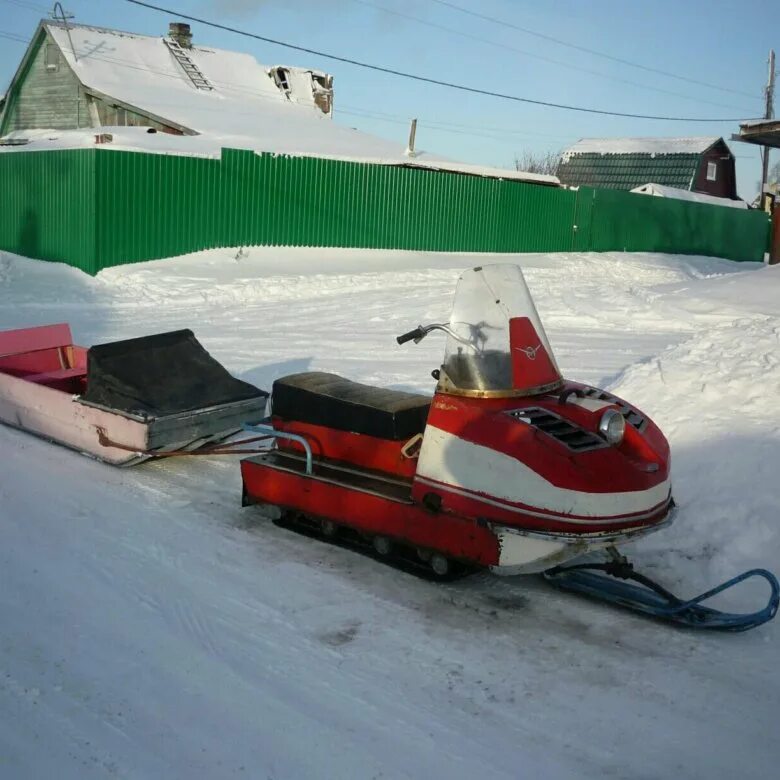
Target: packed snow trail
x=155, y=629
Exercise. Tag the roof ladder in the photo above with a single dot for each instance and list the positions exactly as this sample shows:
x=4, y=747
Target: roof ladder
x=188, y=66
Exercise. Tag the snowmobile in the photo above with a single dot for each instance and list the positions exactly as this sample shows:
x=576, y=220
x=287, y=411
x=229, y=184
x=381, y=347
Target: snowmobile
x=509, y=466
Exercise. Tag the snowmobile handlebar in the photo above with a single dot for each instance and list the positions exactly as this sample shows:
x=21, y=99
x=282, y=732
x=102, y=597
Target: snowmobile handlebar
x=421, y=331
x=416, y=334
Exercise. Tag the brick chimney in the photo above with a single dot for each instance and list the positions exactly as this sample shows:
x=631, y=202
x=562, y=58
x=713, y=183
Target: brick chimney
x=180, y=32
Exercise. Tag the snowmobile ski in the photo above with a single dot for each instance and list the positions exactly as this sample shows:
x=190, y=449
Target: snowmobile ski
x=650, y=598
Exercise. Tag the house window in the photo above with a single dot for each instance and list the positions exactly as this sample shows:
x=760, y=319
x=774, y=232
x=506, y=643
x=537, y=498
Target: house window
x=52, y=58
x=282, y=79
x=322, y=90
x=712, y=171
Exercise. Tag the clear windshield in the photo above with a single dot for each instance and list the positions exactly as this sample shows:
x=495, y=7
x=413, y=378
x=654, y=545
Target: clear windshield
x=498, y=344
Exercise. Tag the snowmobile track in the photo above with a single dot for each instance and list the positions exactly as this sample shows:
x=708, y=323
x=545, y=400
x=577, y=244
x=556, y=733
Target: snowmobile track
x=403, y=558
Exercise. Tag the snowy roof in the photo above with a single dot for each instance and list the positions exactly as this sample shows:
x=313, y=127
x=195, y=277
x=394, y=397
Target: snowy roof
x=659, y=190
x=764, y=132
x=141, y=70
x=692, y=145
x=246, y=108
x=210, y=145
x=759, y=122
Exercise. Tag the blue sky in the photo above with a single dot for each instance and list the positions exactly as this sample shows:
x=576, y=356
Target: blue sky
x=718, y=42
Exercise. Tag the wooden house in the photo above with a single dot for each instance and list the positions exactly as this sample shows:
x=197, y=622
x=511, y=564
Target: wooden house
x=78, y=76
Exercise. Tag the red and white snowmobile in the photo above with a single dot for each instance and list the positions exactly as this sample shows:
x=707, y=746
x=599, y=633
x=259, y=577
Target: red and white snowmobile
x=509, y=466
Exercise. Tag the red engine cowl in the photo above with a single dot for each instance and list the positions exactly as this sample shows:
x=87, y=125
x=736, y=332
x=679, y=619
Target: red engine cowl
x=540, y=463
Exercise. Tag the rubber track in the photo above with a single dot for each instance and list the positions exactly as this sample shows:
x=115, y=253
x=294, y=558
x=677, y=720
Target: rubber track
x=403, y=559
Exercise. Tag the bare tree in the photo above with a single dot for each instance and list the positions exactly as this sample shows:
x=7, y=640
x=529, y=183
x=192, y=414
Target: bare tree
x=543, y=162
x=774, y=174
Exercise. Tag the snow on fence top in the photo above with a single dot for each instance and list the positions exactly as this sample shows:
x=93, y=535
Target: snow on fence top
x=693, y=145
x=250, y=106
x=140, y=139
x=661, y=191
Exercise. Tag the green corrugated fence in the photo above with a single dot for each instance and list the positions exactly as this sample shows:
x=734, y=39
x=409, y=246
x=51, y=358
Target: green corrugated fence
x=95, y=208
x=642, y=223
x=47, y=206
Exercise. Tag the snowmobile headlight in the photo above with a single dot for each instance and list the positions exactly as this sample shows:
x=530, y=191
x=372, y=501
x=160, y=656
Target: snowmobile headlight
x=612, y=426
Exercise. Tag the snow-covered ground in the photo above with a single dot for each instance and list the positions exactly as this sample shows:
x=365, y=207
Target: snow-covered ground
x=154, y=629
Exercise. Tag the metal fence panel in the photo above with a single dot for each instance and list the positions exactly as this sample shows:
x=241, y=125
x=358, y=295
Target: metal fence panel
x=47, y=206
x=155, y=205
x=641, y=223
x=278, y=200
x=96, y=208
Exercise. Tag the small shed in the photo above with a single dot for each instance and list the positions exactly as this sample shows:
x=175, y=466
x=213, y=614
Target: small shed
x=698, y=164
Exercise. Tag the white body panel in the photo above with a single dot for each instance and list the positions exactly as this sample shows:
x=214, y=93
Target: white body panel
x=445, y=458
x=530, y=554
x=526, y=552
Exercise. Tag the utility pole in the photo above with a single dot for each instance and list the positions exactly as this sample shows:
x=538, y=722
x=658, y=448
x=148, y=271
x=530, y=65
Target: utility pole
x=769, y=112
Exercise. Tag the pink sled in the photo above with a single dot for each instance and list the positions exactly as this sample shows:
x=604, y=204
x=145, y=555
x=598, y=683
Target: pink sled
x=43, y=376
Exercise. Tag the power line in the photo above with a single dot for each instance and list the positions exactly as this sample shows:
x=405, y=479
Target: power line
x=594, y=52
x=437, y=124
x=13, y=37
x=426, y=79
x=492, y=133
x=28, y=5
x=503, y=137
x=542, y=57
x=432, y=124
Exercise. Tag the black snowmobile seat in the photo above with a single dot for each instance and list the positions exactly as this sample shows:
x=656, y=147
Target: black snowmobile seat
x=320, y=398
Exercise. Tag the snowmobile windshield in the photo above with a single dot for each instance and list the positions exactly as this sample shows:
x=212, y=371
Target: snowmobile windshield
x=496, y=345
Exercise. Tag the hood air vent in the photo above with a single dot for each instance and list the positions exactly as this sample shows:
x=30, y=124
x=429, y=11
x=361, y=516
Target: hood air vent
x=568, y=434
x=631, y=415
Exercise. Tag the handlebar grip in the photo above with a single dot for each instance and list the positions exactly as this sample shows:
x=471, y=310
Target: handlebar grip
x=417, y=333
